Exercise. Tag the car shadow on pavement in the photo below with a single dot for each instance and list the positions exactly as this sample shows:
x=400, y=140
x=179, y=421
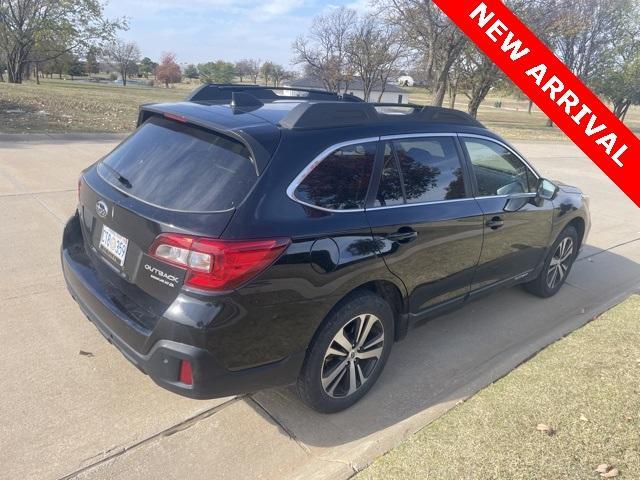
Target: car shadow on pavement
x=453, y=356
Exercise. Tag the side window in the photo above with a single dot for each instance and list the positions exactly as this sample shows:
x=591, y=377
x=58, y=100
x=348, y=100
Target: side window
x=498, y=171
x=340, y=181
x=431, y=169
x=390, y=190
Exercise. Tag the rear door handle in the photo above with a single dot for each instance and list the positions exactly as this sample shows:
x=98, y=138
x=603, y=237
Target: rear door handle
x=495, y=223
x=402, y=236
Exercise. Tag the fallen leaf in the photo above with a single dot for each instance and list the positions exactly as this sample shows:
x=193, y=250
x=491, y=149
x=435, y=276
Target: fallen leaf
x=545, y=429
x=583, y=418
x=603, y=468
x=86, y=354
x=611, y=473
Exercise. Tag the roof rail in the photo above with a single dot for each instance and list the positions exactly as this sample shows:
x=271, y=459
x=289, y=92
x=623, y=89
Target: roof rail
x=335, y=114
x=329, y=114
x=223, y=92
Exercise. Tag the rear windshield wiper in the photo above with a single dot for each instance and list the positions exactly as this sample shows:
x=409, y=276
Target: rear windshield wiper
x=123, y=181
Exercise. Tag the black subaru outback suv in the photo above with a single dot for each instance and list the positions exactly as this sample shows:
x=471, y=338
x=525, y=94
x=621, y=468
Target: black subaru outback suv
x=250, y=237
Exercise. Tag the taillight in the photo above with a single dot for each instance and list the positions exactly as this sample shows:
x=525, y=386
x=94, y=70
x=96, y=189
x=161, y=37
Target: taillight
x=79, y=185
x=216, y=265
x=186, y=373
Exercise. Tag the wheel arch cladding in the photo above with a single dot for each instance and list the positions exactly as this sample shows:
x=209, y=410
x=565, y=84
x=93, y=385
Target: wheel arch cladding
x=384, y=289
x=579, y=224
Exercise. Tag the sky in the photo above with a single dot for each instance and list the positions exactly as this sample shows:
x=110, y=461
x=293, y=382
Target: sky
x=198, y=31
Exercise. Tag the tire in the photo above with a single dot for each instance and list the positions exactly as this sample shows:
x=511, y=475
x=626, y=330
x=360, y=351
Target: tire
x=332, y=360
x=560, y=258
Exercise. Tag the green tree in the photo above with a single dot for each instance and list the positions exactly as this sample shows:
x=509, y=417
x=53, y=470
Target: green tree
x=63, y=26
x=217, y=72
x=620, y=82
x=191, y=71
x=267, y=71
x=91, y=63
x=147, y=67
x=75, y=68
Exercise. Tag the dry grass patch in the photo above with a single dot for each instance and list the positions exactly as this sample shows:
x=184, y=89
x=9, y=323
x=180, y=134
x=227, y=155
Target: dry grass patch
x=66, y=106
x=571, y=412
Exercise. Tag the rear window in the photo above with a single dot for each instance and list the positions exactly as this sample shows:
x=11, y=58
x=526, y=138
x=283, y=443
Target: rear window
x=181, y=167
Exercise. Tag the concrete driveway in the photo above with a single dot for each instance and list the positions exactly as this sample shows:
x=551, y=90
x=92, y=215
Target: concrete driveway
x=73, y=407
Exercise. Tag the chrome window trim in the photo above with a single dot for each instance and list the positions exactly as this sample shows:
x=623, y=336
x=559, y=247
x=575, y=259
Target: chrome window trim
x=422, y=204
x=502, y=144
x=417, y=135
x=314, y=163
x=326, y=152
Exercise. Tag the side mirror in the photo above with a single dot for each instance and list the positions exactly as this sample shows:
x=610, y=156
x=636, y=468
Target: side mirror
x=546, y=189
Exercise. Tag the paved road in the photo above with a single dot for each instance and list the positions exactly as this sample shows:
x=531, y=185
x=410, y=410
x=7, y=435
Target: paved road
x=94, y=415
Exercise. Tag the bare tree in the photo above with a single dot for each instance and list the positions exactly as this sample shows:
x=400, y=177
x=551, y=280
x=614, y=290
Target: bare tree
x=324, y=50
x=278, y=73
x=478, y=75
x=436, y=42
x=124, y=56
x=253, y=69
x=243, y=68
x=374, y=51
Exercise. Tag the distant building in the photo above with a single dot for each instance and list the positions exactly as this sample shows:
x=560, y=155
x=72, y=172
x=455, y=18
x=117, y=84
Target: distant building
x=392, y=93
x=406, y=81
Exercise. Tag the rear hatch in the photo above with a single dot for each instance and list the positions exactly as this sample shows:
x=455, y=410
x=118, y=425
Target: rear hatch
x=167, y=177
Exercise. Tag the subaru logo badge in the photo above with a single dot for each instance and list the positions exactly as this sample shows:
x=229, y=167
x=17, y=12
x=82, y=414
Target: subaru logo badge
x=102, y=209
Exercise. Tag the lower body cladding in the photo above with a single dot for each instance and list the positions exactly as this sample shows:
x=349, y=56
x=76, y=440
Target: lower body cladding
x=231, y=345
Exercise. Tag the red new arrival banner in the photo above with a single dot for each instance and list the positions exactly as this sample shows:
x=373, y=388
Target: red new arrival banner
x=552, y=86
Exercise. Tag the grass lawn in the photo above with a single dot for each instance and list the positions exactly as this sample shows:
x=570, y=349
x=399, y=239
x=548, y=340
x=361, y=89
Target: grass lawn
x=66, y=106
x=585, y=388
x=73, y=106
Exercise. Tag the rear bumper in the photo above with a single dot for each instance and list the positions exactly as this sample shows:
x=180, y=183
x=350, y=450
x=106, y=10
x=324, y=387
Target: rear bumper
x=162, y=360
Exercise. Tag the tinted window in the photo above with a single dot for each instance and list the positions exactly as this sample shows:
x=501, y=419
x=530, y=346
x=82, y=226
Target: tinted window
x=390, y=190
x=182, y=168
x=498, y=171
x=431, y=169
x=341, y=180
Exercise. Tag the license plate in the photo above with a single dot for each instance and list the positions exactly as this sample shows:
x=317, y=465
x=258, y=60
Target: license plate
x=113, y=245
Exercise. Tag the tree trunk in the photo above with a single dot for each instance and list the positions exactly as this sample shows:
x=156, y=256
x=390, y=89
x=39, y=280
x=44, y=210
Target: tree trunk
x=124, y=77
x=37, y=75
x=453, y=93
x=621, y=107
x=15, y=67
x=624, y=113
x=477, y=97
x=441, y=89
x=530, y=106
